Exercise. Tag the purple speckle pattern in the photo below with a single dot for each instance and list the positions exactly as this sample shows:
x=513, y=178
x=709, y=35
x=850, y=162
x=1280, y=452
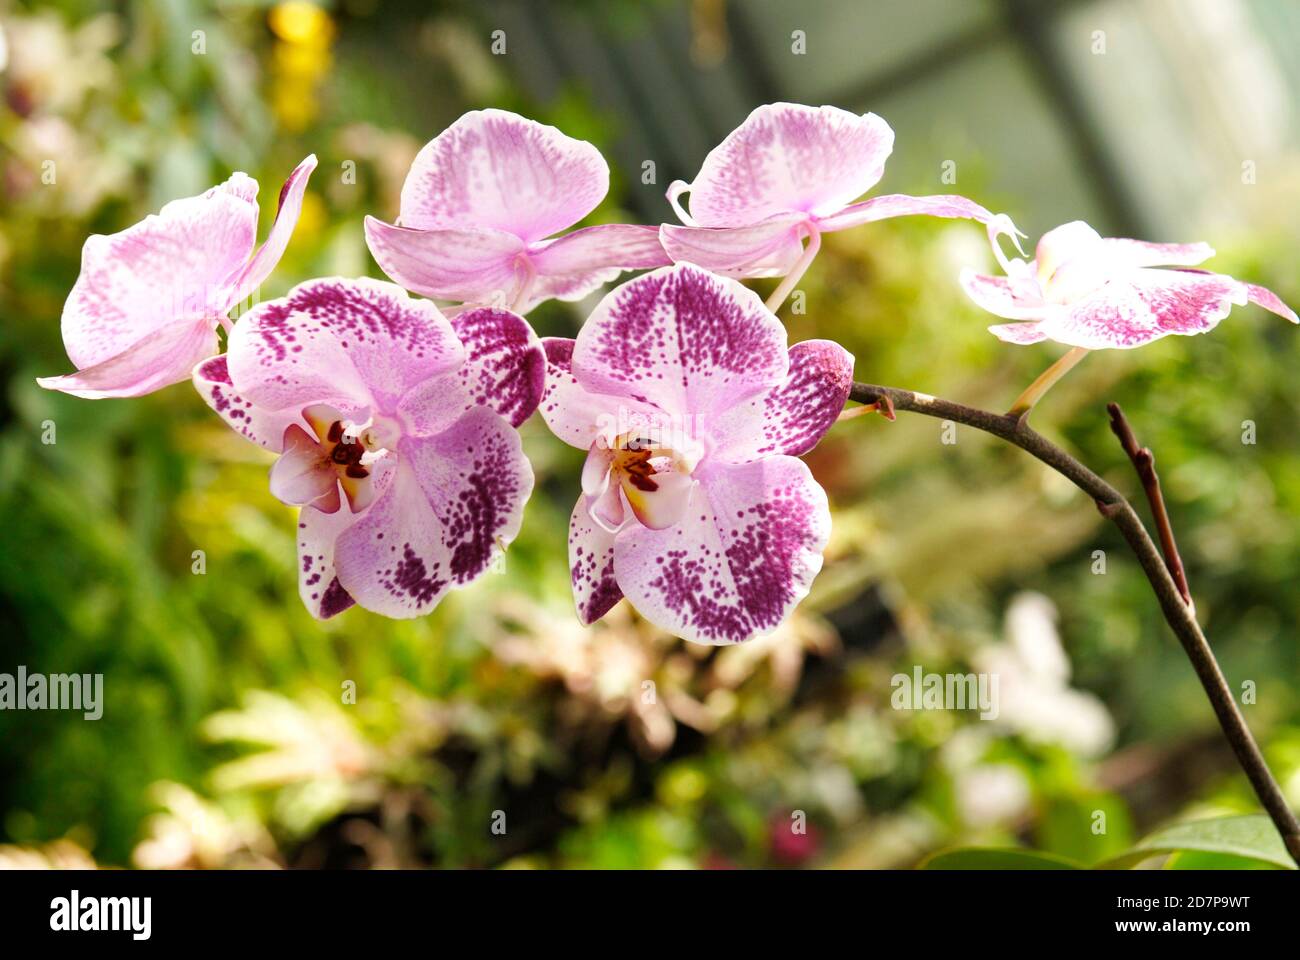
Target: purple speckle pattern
x=1144, y=305
x=505, y=368
x=455, y=499
x=683, y=339
x=591, y=565
x=263, y=427
x=359, y=340
x=318, y=585
x=735, y=569
x=792, y=417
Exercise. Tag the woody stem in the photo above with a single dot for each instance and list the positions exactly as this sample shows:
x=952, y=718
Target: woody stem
x=1180, y=616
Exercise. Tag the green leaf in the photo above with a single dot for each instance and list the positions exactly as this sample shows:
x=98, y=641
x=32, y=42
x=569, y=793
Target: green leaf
x=1253, y=837
x=997, y=858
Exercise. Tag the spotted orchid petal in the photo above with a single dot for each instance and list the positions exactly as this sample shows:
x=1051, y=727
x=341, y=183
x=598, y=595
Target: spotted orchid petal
x=383, y=402
x=504, y=370
x=353, y=344
x=1094, y=292
x=148, y=299
x=591, y=565
x=744, y=555
x=264, y=427
x=682, y=390
x=454, y=502
x=318, y=582
x=1142, y=306
x=794, y=415
x=579, y=416
x=684, y=340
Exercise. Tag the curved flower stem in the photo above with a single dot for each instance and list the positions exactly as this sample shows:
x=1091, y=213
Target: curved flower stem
x=800, y=268
x=1034, y=392
x=1179, y=615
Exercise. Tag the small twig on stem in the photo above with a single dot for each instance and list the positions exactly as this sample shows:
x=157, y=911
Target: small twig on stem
x=1144, y=462
x=1178, y=614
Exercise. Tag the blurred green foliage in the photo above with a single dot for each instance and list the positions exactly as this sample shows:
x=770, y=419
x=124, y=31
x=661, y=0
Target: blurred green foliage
x=227, y=736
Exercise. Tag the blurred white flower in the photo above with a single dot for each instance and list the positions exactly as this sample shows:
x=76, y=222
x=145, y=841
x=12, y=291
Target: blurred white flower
x=990, y=793
x=1036, y=700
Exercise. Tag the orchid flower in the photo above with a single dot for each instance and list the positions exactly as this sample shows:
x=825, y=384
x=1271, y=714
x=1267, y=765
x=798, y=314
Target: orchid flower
x=479, y=203
x=790, y=170
x=692, y=412
x=1097, y=293
x=395, y=430
x=147, y=303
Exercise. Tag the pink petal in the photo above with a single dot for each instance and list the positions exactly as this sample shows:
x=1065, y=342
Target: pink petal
x=302, y=476
x=573, y=414
x=1022, y=333
x=454, y=501
x=769, y=248
x=496, y=170
x=787, y=157
x=792, y=417
x=470, y=265
x=622, y=245
x=735, y=567
x=265, y=427
x=998, y=296
x=318, y=585
x=1270, y=301
x=577, y=263
x=591, y=565
x=505, y=369
x=1143, y=306
x=569, y=287
x=277, y=241
x=176, y=265
x=348, y=343
x=1138, y=253
x=683, y=340
x=164, y=356
x=899, y=205
x=1070, y=243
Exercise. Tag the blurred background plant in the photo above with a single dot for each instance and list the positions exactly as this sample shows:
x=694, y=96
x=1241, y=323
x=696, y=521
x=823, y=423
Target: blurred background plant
x=497, y=732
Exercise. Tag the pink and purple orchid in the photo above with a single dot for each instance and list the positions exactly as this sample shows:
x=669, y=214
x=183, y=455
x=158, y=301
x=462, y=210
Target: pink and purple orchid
x=1096, y=293
x=395, y=430
x=693, y=411
x=149, y=299
x=787, y=172
x=479, y=204
x=395, y=427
